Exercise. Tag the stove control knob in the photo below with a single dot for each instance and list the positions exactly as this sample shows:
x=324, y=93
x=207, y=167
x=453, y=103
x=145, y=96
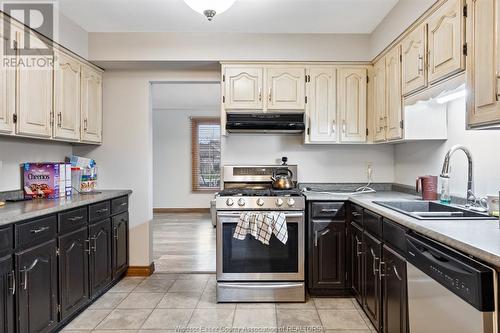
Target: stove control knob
x=229, y=202
x=279, y=202
x=241, y=202
x=260, y=202
x=291, y=202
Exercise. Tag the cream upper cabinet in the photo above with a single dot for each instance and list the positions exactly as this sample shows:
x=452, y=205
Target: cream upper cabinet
x=394, y=129
x=91, y=101
x=446, y=40
x=285, y=88
x=321, y=107
x=34, y=104
x=7, y=88
x=243, y=88
x=379, y=101
x=413, y=61
x=67, y=107
x=484, y=62
x=352, y=103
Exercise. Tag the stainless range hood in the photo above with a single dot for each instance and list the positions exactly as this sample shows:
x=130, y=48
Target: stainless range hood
x=265, y=123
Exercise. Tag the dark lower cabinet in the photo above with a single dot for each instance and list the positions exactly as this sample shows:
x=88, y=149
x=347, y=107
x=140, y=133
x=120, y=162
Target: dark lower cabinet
x=120, y=244
x=36, y=271
x=100, y=256
x=73, y=271
x=356, y=250
x=7, y=291
x=329, y=255
x=394, y=300
x=372, y=301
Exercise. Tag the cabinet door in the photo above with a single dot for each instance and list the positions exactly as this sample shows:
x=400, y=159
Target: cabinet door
x=286, y=88
x=413, y=63
x=7, y=87
x=446, y=40
x=120, y=244
x=395, y=297
x=73, y=271
x=394, y=98
x=352, y=101
x=243, y=88
x=483, y=80
x=321, y=106
x=34, y=97
x=7, y=291
x=379, y=101
x=371, y=281
x=329, y=256
x=356, y=249
x=36, y=270
x=67, y=90
x=100, y=258
x=91, y=100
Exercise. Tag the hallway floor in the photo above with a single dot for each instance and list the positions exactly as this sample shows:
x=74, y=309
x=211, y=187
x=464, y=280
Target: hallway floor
x=174, y=302
x=183, y=243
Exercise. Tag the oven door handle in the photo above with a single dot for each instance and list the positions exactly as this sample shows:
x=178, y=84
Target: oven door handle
x=257, y=285
x=287, y=215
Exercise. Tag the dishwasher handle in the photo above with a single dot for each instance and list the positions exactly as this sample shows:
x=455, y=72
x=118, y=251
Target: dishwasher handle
x=465, y=277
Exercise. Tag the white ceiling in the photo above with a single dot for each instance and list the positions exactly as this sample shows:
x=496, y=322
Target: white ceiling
x=246, y=16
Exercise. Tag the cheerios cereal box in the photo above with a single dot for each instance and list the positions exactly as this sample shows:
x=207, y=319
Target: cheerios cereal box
x=41, y=180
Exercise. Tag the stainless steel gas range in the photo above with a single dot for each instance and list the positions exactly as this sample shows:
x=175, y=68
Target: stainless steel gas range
x=247, y=270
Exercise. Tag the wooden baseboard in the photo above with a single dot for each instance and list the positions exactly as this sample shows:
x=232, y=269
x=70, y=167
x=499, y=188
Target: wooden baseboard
x=141, y=270
x=181, y=210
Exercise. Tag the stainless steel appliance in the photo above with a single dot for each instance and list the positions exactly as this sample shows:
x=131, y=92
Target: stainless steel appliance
x=448, y=291
x=247, y=270
x=265, y=123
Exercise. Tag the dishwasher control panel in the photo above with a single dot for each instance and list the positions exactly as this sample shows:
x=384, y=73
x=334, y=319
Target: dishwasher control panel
x=467, y=278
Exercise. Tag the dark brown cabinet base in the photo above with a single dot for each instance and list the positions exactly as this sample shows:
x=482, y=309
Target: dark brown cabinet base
x=7, y=291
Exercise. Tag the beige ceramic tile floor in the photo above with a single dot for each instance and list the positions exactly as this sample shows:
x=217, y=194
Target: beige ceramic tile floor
x=183, y=243
x=186, y=303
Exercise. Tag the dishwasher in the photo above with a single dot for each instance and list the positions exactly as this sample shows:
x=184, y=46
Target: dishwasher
x=448, y=291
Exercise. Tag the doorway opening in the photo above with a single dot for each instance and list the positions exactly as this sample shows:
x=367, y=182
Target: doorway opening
x=186, y=174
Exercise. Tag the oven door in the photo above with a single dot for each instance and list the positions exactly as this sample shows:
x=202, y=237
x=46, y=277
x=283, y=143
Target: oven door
x=250, y=260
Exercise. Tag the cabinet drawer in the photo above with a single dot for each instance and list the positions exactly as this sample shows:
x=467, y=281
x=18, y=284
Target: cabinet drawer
x=72, y=219
x=372, y=223
x=327, y=210
x=6, y=239
x=357, y=214
x=99, y=211
x=394, y=236
x=119, y=205
x=36, y=231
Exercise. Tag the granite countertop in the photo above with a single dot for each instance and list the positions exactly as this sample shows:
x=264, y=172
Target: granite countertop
x=478, y=238
x=24, y=210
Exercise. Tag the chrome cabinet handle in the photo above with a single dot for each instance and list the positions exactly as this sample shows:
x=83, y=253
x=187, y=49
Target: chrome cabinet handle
x=420, y=64
x=397, y=273
x=13, y=283
x=380, y=270
x=356, y=214
x=75, y=218
x=270, y=94
x=374, y=264
x=87, y=246
x=343, y=126
x=102, y=210
x=260, y=94
x=85, y=124
x=316, y=239
x=39, y=230
x=497, y=90
x=329, y=210
x=25, y=283
x=59, y=119
x=334, y=126
x=123, y=204
x=115, y=233
x=358, y=246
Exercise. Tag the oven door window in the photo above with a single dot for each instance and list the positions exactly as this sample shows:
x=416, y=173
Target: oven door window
x=251, y=256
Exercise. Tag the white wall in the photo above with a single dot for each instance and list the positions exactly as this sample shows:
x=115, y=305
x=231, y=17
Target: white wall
x=125, y=158
x=423, y=158
x=14, y=151
x=346, y=163
x=404, y=13
x=164, y=46
x=73, y=37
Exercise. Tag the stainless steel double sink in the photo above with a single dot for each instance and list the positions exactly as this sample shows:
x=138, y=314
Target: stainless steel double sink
x=431, y=210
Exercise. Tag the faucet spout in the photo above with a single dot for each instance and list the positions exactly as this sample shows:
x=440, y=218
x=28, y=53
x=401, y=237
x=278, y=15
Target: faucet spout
x=445, y=172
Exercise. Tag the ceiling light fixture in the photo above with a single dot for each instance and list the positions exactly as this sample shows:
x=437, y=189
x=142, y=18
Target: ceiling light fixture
x=210, y=8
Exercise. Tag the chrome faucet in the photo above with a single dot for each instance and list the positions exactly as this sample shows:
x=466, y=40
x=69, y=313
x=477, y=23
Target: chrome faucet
x=445, y=173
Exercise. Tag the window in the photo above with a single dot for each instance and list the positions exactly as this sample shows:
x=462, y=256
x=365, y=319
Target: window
x=205, y=134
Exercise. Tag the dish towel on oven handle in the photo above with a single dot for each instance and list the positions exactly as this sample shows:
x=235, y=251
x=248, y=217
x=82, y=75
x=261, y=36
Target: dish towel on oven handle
x=262, y=226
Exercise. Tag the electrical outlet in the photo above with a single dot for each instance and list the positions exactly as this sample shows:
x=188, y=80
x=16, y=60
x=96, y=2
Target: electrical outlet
x=369, y=170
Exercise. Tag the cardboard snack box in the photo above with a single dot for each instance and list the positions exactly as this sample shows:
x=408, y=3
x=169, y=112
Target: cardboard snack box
x=41, y=180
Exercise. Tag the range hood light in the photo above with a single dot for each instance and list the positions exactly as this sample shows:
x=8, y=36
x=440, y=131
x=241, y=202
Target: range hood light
x=210, y=8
